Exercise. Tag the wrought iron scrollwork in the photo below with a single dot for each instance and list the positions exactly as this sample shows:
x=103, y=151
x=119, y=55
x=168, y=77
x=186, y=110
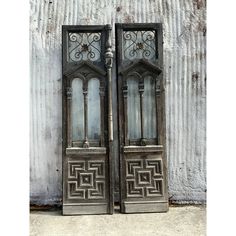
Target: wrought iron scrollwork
x=84, y=47
x=139, y=44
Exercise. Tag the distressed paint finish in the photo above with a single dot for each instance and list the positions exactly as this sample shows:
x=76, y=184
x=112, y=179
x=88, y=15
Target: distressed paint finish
x=184, y=69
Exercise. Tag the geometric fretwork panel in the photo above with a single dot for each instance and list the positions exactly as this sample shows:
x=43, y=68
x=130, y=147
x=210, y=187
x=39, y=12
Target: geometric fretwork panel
x=144, y=178
x=86, y=180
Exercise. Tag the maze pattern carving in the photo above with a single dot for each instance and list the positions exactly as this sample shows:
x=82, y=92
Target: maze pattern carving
x=86, y=179
x=144, y=178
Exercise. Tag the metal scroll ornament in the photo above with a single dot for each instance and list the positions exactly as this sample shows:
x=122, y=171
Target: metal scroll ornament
x=139, y=44
x=84, y=47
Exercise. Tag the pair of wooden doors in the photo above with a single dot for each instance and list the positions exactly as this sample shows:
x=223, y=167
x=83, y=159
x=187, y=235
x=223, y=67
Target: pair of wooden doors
x=88, y=154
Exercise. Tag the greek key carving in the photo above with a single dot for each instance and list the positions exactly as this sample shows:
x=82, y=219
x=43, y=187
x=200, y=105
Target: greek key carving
x=144, y=178
x=86, y=180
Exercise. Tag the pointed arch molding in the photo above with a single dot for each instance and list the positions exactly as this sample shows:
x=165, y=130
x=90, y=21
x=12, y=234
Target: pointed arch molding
x=141, y=66
x=85, y=68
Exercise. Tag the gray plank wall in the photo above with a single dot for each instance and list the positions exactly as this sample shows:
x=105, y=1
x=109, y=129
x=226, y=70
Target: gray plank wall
x=185, y=72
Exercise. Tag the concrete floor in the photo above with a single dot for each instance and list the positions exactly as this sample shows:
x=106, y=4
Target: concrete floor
x=185, y=220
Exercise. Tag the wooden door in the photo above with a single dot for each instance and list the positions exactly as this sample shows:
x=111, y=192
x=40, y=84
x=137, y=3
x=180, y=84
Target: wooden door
x=143, y=176
x=87, y=120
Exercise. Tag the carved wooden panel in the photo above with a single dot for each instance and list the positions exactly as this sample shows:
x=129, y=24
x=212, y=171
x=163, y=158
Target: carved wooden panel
x=144, y=178
x=86, y=180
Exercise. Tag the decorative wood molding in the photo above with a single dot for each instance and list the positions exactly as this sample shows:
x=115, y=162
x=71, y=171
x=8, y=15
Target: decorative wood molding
x=141, y=91
x=76, y=68
x=84, y=151
x=85, y=92
x=109, y=62
x=143, y=149
x=142, y=63
x=69, y=92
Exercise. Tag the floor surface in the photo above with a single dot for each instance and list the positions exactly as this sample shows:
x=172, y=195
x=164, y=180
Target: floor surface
x=184, y=221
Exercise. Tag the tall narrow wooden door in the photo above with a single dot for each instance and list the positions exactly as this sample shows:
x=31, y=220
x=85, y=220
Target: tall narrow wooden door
x=143, y=178
x=87, y=120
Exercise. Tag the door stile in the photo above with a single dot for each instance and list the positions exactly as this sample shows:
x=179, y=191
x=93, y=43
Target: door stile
x=122, y=104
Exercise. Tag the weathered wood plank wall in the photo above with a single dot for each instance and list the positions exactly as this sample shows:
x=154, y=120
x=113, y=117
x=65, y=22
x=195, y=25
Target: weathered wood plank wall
x=185, y=72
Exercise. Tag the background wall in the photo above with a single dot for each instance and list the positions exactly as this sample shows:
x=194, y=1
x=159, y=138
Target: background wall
x=185, y=72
